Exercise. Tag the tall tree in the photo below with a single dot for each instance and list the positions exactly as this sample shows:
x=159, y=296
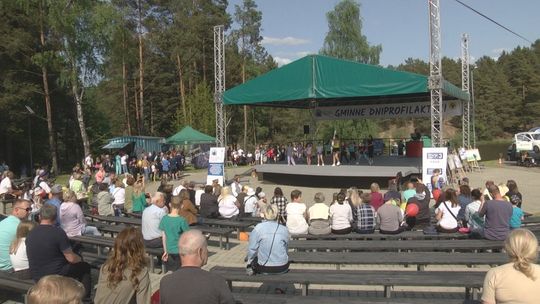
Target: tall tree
x=345, y=39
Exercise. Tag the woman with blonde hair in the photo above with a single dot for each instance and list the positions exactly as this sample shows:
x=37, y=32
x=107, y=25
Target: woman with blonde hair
x=124, y=277
x=227, y=203
x=17, y=251
x=56, y=289
x=519, y=280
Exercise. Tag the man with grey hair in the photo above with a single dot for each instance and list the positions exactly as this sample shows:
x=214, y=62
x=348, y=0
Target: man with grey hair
x=49, y=252
x=191, y=284
x=151, y=217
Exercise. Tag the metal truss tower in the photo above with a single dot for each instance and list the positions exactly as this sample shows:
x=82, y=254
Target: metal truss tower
x=435, y=73
x=219, y=84
x=466, y=119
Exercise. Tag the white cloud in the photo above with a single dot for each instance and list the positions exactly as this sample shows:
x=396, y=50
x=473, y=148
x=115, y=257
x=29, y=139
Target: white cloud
x=284, y=41
x=282, y=61
x=498, y=51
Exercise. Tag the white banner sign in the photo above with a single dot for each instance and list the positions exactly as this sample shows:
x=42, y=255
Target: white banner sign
x=216, y=165
x=433, y=158
x=415, y=109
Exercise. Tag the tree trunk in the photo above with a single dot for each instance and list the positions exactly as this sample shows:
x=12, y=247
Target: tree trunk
x=141, y=71
x=45, y=76
x=182, y=89
x=125, y=96
x=203, y=61
x=80, y=117
x=137, y=114
x=245, y=108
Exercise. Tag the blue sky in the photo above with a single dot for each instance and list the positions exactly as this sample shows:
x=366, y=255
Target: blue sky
x=294, y=28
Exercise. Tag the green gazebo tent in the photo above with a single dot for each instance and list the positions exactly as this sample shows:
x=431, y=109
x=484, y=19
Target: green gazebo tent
x=319, y=81
x=190, y=136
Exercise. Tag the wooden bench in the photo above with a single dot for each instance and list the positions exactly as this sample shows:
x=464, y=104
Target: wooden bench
x=10, y=283
x=240, y=226
x=471, y=280
x=421, y=259
x=258, y=298
x=115, y=219
x=217, y=231
x=397, y=245
x=6, y=202
x=407, y=235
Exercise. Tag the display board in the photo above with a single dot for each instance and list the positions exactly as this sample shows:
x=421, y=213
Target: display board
x=216, y=165
x=433, y=158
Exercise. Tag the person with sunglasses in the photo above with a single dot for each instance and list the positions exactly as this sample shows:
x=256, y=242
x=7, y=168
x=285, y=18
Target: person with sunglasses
x=8, y=231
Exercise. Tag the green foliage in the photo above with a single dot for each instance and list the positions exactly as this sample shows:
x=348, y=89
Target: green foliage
x=345, y=39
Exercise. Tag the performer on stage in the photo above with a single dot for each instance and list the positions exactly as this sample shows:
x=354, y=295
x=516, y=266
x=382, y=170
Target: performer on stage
x=320, y=154
x=336, y=144
x=370, y=148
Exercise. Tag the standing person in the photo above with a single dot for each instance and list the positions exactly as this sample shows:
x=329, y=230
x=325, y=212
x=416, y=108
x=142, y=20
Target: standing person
x=370, y=149
x=151, y=217
x=341, y=214
x=497, y=214
x=191, y=284
x=376, y=197
x=366, y=221
x=128, y=193
x=268, y=245
x=309, y=153
x=352, y=152
x=336, y=144
x=320, y=154
x=227, y=203
x=172, y=226
x=296, y=214
x=446, y=213
x=319, y=216
x=17, y=251
x=8, y=230
x=124, y=277
x=49, y=252
x=124, y=163
x=513, y=194
x=519, y=280
x=290, y=155
x=280, y=201
x=118, y=164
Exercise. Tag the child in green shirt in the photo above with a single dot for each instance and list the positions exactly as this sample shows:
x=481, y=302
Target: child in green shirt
x=139, y=197
x=172, y=226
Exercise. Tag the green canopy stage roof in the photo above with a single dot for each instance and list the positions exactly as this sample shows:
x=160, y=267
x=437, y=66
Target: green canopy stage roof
x=188, y=136
x=321, y=81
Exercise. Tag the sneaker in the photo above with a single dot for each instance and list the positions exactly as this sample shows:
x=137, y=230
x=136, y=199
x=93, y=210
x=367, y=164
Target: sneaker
x=333, y=165
x=323, y=165
x=339, y=164
x=318, y=165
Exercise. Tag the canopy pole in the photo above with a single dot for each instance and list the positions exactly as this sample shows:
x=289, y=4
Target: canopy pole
x=219, y=85
x=435, y=74
x=466, y=104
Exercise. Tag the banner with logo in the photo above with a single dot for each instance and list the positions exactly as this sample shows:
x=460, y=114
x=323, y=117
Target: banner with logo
x=216, y=165
x=415, y=109
x=433, y=158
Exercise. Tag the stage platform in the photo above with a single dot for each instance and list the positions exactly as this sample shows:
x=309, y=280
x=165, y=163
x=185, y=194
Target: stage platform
x=344, y=176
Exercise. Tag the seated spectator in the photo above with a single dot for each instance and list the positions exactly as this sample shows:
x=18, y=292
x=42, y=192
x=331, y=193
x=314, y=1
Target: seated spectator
x=389, y=218
x=139, y=197
x=56, y=289
x=409, y=192
x=517, y=216
x=513, y=194
x=464, y=199
x=376, y=196
x=341, y=215
x=262, y=202
x=519, y=280
x=216, y=187
x=198, y=193
x=446, y=213
x=187, y=209
x=8, y=231
x=296, y=214
x=17, y=251
x=486, y=193
x=250, y=203
x=393, y=193
x=474, y=221
x=72, y=217
x=151, y=217
x=49, y=252
x=209, y=205
x=128, y=193
x=422, y=198
x=268, y=245
x=227, y=203
x=366, y=215
x=124, y=277
x=497, y=214
x=354, y=200
x=119, y=194
x=280, y=201
x=77, y=186
x=172, y=226
x=190, y=283
x=6, y=186
x=55, y=199
x=104, y=200
x=319, y=216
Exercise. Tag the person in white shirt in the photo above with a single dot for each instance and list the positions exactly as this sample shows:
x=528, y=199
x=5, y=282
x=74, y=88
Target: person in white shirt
x=250, y=203
x=151, y=217
x=227, y=203
x=319, y=213
x=446, y=213
x=296, y=214
x=17, y=251
x=123, y=163
x=198, y=194
x=6, y=187
x=119, y=194
x=182, y=186
x=236, y=187
x=341, y=214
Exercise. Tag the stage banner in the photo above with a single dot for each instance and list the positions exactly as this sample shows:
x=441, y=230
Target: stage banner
x=216, y=165
x=415, y=109
x=433, y=158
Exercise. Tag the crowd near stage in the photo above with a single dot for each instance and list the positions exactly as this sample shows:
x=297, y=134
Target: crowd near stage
x=346, y=175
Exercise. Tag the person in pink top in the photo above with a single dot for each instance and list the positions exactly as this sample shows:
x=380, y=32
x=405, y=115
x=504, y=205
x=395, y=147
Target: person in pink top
x=376, y=196
x=100, y=175
x=72, y=218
